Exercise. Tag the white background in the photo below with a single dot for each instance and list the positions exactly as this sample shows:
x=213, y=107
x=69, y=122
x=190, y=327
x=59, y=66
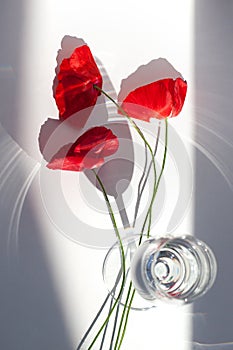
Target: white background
x=52, y=287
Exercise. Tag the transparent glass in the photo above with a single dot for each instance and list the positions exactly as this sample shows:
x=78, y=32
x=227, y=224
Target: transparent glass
x=167, y=269
x=112, y=272
x=179, y=268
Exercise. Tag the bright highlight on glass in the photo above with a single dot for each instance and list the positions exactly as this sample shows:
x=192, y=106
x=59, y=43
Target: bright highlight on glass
x=173, y=269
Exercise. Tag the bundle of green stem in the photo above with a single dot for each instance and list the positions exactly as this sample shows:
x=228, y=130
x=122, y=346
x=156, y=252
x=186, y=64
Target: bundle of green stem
x=121, y=321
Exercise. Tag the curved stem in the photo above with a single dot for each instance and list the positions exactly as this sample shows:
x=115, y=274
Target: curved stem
x=93, y=322
x=139, y=194
x=149, y=215
x=122, y=258
x=157, y=184
x=141, y=189
x=126, y=318
x=123, y=315
x=107, y=324
x=141, y=135
x=149, y=224
x=116, y=316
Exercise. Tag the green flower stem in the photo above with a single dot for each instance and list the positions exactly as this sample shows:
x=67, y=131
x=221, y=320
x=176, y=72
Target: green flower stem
x=149, y=224
x=122, y=258
x=127, y=317
x=149, y=215
x=107, y=324
x=123, y=315
x=140, y=188
x=149, y=212
x=93, y=322
x=146, y=175
x=143, y=138
x=157, y=184
x=117, y=314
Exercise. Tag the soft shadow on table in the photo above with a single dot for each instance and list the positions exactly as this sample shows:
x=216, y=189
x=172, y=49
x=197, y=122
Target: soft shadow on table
x=116, y=182
x=156, y=69
x=31, y=317
x=213, y=314
x=55, y=134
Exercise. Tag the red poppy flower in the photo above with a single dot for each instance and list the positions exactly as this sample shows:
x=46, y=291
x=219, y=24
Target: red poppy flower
x=75, y=81
x=87, y=152
x=160, y=99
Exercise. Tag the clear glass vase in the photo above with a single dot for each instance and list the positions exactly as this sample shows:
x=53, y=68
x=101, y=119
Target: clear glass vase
x=173, y=269
x=166, y=269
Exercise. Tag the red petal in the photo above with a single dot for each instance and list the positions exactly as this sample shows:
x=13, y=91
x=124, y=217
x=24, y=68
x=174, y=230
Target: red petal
x=179, y=93
x=75, y=163
x=88, y=151
x=98, y=140
x=76, y=78
x=161, y=99
x=67, y=163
